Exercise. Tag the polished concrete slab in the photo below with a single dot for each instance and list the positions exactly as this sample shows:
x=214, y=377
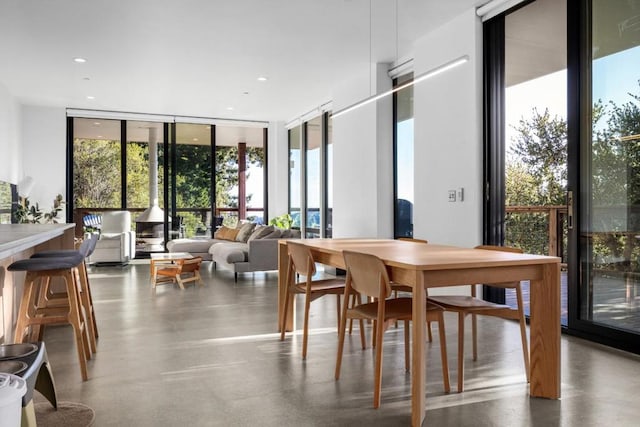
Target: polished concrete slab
x=211, y=356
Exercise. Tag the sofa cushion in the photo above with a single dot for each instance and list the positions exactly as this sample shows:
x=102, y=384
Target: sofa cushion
x=260, y=232
x=190, y=245
x=290, y=234
x=244, y=231
x=275, y=234
x=229, y=252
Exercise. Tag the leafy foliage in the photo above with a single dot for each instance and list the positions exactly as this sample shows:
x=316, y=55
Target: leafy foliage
x=537, y=175
x=97, y=177
x=32, y=214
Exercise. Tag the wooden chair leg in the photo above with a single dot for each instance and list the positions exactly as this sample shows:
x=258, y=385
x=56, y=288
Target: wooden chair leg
x=443, y=353
x=523, y=331
x=305, y=332
x=429, y=335
x=284, y=316
x=341, y=333
x=474, y=335
x=377, y=387
x=339, y=309
x=407, y=339
x=460, y=352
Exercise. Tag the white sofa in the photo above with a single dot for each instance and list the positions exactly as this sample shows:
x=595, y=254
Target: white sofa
x=117, y=242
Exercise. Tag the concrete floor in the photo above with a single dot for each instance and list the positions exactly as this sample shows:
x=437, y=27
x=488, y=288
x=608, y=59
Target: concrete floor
x=210, y=357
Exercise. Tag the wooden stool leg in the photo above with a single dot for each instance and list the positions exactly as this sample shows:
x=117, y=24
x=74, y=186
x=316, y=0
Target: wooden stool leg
x=74, y=319
x=86, y=304
x=23, y=313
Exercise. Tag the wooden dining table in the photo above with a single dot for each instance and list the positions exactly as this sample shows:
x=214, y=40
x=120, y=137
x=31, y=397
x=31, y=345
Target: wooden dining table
x=423, y=266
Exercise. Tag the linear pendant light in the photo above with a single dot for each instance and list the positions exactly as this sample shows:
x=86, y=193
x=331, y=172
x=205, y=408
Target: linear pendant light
x=424, y=76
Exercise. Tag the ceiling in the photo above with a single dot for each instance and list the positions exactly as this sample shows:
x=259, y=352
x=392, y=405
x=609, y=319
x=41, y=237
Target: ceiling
x=199, y=58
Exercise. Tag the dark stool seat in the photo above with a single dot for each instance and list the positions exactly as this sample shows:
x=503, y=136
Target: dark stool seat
x=49, y=299
x=31, y=315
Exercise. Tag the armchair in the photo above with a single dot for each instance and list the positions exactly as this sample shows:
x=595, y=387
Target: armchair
x=117, y=242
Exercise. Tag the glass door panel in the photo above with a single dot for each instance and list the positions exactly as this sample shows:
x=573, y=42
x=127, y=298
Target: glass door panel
x=404, y=158
x=610, y=172
x=313, y=176
x=145, y=183
x=535, y=134
x=295, y=175
x=193, y=179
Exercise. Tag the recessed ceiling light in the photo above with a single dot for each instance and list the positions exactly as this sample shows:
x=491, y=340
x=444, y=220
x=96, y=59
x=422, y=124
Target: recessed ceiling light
x=91, y=97
x=208, y=127
x=99, y=136
x=86, y=78
x=96, y=123
x=195, y=139
x=79, y=60
x=230, y=108
x=262, y=79
x=245, y=93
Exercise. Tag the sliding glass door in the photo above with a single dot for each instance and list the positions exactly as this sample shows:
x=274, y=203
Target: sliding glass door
x=608, y=302
x=562, y=154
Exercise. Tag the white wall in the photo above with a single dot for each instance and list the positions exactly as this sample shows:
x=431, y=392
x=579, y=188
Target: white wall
x=363, y=159
x=10, y=163
x=448, y=134
x=44, y=133
x=278, y=179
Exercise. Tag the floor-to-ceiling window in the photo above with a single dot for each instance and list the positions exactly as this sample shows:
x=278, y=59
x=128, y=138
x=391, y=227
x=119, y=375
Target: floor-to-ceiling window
x=568, y=135
x=313, y=151
x=191, y=174
x=295, y=175
x=193, y=179
x=97, y=148
x=328, y=223
x=403, y=149
x=311, y=177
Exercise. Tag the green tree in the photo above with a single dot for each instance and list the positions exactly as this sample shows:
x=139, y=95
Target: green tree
x=541, y=146
x=96, y=173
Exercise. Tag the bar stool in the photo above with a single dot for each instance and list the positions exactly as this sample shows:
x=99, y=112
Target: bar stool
x=32, y=315
x=50, y=299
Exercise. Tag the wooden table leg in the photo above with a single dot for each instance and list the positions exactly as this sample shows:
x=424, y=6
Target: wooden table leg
x=545, y=333
x=419, y=315
x=283, y=264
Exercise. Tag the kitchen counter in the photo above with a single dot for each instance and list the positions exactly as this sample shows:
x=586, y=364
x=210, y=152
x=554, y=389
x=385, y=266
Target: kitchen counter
x=20, y=241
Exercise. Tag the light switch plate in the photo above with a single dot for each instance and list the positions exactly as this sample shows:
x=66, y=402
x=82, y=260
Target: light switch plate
x=452, y=195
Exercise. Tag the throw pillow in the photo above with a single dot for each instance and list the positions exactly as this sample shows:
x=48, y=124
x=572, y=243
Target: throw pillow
x=260, y=231
x=220, y=233
x=244, y=231
x=231, y=234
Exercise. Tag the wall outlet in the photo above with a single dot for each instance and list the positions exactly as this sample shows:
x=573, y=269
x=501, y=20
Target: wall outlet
x=452, y=195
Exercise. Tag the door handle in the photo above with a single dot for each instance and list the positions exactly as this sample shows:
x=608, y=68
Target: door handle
x=569, y=210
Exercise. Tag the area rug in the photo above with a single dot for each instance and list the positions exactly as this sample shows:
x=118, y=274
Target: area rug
x=69, y=414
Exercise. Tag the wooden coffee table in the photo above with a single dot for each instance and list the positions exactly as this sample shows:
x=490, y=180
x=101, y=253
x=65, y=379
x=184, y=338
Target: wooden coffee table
x=159, y=260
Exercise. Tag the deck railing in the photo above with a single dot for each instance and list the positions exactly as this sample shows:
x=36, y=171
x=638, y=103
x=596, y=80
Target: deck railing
x=537, y=229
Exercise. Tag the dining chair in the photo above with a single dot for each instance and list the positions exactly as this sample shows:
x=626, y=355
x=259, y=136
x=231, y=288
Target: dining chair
x=367, y=276
x=302, y=265
x=465, y=305
x=397, y=287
